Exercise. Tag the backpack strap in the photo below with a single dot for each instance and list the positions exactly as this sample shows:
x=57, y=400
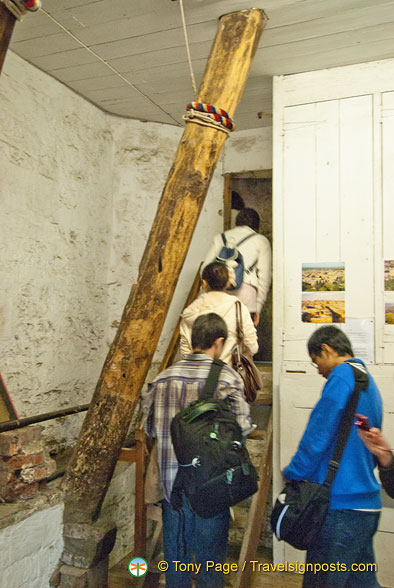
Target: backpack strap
x=212, y=379
x=361, y=383
x=245, y=239
x=249, y=269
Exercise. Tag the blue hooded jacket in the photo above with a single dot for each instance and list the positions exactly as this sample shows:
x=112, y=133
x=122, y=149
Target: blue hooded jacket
x=355, y=485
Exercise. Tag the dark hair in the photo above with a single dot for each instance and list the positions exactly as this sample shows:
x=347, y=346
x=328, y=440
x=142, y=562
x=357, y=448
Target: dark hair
x=331, y=336
x=216, y=275
x=249, y=217
x=206, y=329
x=237, y=202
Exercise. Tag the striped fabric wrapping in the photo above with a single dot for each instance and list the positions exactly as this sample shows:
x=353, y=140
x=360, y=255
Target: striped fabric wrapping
x=218, y=114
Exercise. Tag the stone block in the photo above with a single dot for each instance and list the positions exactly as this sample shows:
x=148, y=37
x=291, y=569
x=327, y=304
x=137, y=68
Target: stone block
x=12, y=442
x=95, y=577
x=87, y=544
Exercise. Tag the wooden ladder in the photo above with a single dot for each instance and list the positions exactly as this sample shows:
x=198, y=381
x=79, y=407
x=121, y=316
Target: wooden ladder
x=257, y=509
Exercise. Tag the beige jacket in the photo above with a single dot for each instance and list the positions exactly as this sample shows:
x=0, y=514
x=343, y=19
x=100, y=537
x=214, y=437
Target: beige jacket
x=224, y=305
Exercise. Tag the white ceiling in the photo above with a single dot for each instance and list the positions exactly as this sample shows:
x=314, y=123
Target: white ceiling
x=143, y=41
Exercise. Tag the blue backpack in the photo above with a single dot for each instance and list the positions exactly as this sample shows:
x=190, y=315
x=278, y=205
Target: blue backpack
x=227, y=254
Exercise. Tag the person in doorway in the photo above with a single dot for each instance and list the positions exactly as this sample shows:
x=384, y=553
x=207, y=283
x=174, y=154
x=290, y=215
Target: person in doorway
x=215, y=280
x=256, y=253
x=187, y=537
x=352, y=519
x=380, y=447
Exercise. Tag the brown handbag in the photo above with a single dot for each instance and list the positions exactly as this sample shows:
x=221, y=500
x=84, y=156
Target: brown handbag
x=242, y=361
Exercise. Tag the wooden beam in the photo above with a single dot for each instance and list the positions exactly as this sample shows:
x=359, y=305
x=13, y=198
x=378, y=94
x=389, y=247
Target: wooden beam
x=256, y=514
x=7, y=23
x=130, y=355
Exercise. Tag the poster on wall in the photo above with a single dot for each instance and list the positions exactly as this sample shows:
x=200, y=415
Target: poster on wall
x=389, y=275
x=323, y=277
x=389, y=313
x=361, y=333
x=389, y=292
x=323, y=292
x=323, y=307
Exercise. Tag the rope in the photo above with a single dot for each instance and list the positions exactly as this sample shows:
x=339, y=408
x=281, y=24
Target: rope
x=208, y=116
x=19, y=7
x=188, y=49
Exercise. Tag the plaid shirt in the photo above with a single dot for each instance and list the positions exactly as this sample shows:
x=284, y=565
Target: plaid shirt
x=177, y=387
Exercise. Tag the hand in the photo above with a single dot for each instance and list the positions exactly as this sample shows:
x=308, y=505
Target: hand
x=256, y=318
x=378, y=445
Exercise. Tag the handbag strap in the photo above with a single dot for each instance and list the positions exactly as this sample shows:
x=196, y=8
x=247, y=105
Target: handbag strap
x=361, y=383
x=212, y=380
x=239, y=322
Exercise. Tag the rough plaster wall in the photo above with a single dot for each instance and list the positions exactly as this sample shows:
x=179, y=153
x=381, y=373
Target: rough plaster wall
x=248, y=151
x=143, y=153
x=55, y=202
x=30, y=550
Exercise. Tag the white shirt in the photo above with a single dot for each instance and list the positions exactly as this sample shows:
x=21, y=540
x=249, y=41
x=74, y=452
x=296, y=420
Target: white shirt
x=256, y=248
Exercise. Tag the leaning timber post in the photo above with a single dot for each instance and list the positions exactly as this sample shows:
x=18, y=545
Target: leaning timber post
x=130, y=355
x=7, y=23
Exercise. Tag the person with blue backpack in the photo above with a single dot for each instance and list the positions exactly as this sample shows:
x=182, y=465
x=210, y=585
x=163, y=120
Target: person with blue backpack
x=247, y=254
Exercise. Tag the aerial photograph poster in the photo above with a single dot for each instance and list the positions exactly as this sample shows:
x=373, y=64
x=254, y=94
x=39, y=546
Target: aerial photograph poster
x=323, y=307
x=389, y=275
x=324, y=276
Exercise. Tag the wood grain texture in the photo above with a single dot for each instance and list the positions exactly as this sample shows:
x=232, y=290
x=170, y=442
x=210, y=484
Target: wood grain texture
x=130, y=355
x=7, y=23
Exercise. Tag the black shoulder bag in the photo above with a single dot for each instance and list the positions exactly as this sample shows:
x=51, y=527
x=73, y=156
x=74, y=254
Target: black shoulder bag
x=301, y=507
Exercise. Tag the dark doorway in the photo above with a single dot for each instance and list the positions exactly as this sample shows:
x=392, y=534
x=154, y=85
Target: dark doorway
x=255, y=190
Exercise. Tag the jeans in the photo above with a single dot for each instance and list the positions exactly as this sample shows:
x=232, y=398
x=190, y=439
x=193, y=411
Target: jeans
x=187, y=538
x=345, y=539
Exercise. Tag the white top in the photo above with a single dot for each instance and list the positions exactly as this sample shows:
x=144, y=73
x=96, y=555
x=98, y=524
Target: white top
x=255, y=248
x=224, y=305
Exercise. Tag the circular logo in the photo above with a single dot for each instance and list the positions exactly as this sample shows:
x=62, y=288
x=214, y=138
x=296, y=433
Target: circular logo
x=138, y=567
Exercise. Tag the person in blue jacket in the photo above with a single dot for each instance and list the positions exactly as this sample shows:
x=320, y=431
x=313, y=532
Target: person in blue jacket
x=343, y=550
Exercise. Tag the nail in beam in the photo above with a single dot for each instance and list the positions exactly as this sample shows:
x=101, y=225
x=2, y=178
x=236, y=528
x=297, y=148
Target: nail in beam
x=130, y=355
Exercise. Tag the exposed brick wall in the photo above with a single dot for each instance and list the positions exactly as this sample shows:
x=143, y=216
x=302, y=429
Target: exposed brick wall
x=24, y=463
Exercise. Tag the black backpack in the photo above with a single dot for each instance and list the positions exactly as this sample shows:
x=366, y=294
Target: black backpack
x=228, y=254
x=215, y=470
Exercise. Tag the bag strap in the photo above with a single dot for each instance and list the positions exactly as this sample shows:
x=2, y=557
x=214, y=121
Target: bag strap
x=245, y=239
x=224, y=240
x=361, y=383
x=239, y=323
x=212, y=380
x=250, y=268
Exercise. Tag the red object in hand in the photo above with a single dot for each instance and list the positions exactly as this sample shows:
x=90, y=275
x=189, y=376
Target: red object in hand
x=362, y=422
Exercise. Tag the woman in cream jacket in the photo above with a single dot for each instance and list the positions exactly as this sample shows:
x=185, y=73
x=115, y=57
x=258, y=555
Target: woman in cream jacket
x=215, y=280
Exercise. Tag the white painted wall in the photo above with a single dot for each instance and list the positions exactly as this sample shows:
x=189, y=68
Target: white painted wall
x=246, y=151
x=79, y=190
x=30, y=550
x=333, y=185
